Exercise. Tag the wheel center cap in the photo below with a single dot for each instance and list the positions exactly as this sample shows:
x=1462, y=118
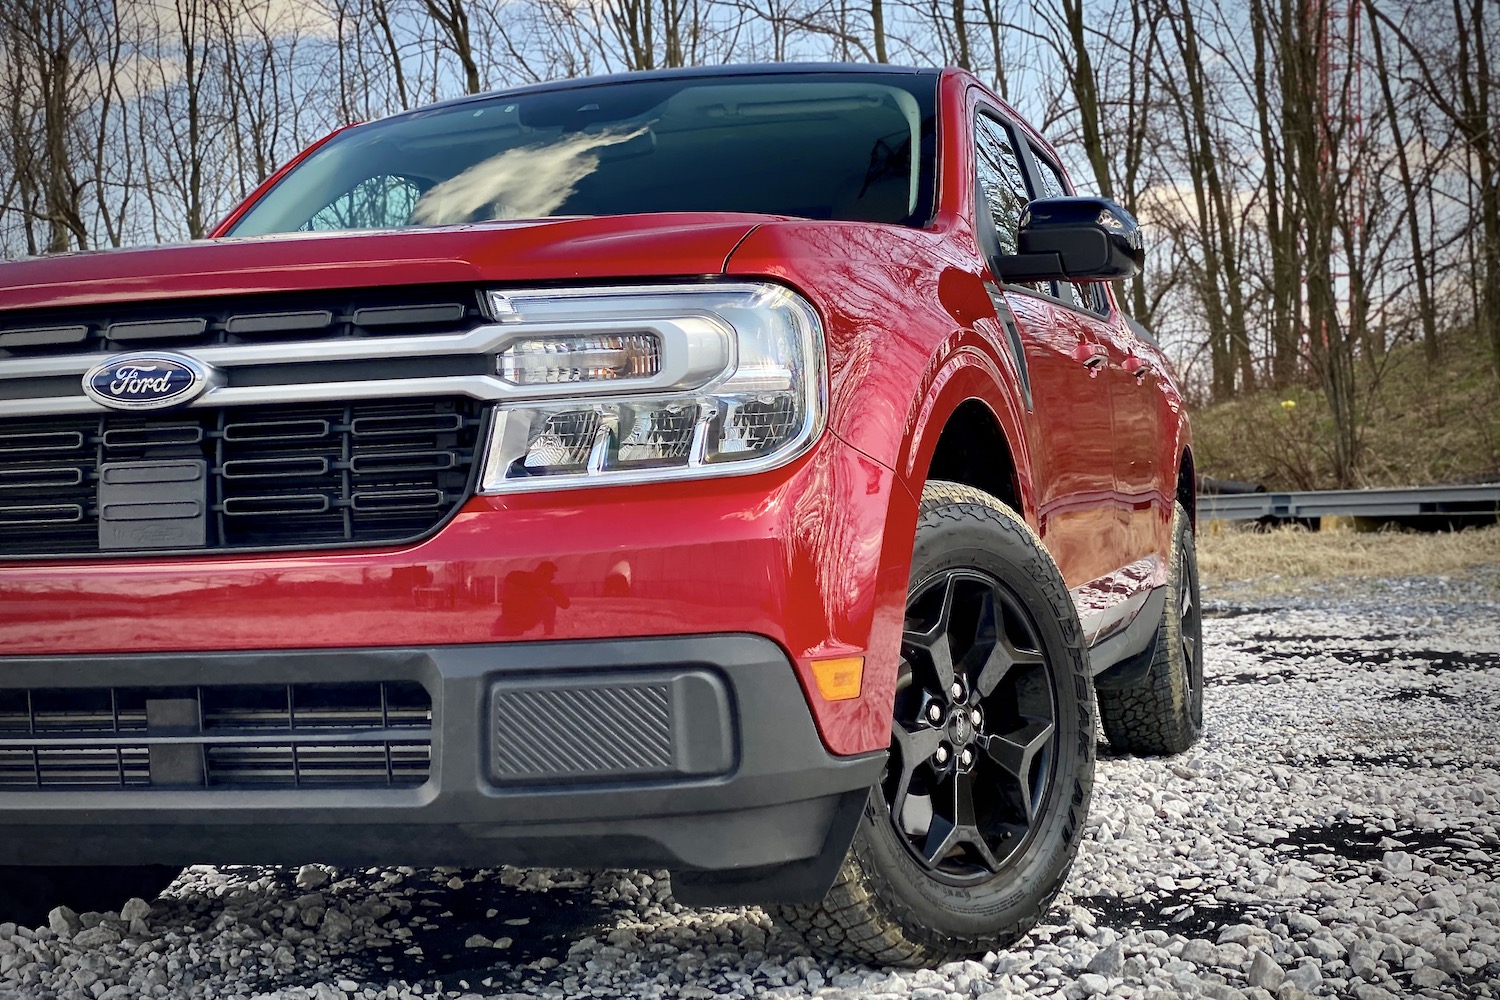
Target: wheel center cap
x=960, y=729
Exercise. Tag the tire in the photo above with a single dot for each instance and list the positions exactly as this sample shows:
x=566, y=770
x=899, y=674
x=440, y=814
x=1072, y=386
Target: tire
x=983, y=588
x=1163, y=713
x=28, y=894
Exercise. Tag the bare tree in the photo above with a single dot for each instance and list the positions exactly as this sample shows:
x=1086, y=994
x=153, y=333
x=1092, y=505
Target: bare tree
x=452, y=20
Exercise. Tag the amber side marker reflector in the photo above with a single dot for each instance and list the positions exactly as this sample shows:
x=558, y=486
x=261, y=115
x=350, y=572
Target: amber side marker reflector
x=838, y=680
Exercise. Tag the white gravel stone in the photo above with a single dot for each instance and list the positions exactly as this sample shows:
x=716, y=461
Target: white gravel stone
x=134, y=909
x=1108, y=961
x=63, y=921
x=311, y=877
x=1199, y=952
x=1091, y=985
x=1264, y=972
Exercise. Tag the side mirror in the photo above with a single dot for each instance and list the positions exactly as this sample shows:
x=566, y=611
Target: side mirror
x=1075, y=239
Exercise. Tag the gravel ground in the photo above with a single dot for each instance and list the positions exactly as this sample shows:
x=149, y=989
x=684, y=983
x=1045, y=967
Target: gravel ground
x=1335, y=834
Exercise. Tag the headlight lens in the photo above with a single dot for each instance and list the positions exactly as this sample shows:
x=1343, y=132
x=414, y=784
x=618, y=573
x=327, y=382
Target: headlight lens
x=652, y=383
x=550, y=360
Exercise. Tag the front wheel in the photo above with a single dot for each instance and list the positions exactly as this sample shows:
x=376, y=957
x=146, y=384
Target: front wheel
x=973, y=827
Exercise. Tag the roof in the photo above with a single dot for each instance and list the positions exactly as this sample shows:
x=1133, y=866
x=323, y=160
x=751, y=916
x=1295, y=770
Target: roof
x=688, y=72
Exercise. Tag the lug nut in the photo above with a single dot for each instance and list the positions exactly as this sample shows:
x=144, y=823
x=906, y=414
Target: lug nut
x=940, y=754
x=957, y=690
x=976, y=718
x=967, y=757
x=934, y=712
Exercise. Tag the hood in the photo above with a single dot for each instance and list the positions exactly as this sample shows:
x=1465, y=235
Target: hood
x=569, y=249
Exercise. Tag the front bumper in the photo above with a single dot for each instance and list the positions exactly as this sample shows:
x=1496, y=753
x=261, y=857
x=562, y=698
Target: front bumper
x=813, y=556
x=746, y=791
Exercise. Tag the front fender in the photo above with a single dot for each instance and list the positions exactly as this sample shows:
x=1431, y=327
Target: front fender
x=972, y=368
x=911, y=332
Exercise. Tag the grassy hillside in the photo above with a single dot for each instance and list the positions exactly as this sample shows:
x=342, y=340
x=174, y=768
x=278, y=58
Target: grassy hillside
x=1421, y=426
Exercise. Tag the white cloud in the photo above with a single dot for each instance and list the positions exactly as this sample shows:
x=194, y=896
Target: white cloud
x=1174, y=203
x=138, y=74
x=244, y=19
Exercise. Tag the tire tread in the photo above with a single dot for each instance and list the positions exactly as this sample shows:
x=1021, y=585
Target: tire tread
x=1149, y=718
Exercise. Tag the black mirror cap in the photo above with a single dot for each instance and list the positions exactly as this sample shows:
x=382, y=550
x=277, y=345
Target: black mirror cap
x=1076, y=239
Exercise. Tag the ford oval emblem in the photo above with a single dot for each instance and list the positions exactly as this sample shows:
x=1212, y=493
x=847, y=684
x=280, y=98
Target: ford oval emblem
x=147, y=381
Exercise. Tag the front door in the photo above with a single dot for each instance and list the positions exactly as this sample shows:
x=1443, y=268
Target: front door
x=1073, y=444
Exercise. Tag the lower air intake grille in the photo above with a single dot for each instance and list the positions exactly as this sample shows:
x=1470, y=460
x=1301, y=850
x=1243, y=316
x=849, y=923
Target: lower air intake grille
x=235, y=478
x=370, y=735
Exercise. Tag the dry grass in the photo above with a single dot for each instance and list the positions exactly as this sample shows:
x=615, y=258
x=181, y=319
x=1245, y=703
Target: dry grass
x=1284, y=559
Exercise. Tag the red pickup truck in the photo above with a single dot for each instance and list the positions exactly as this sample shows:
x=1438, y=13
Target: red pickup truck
x=744, y=471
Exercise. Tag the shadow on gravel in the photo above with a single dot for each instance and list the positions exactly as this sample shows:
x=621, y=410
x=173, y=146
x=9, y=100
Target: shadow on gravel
x=1175, y=913
x=538, y=925
x=1429, y=661
x=1433, y=662
x=1235, y=611
x=1239, y=680
x=1418, y=694
x=430, y=924
x=1357, y=843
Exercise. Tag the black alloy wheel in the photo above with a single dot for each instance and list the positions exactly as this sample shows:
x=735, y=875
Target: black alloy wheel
x=1190, y=635
x=975, y=729
x=970, y=832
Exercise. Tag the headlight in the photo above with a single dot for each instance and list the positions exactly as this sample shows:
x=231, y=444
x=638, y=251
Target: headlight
x=622, y=385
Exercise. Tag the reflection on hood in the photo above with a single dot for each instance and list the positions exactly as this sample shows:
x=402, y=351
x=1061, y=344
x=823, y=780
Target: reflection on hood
x=527, y=183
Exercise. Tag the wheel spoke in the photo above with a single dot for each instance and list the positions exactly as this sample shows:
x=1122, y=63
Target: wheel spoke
x=916, y=748
x=948, y=826
x=966, y=828
x=935, y=641
x=963, y=803
x=998, y=665
x=941, y=838
x=1016, y=752
x=986, y=856
x=942, y=662
x=949, y=832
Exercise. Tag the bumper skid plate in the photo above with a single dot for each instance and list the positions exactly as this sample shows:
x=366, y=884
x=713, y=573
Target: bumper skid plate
x=697, y=754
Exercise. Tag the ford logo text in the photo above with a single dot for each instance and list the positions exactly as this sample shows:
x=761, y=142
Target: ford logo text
x=147, y=381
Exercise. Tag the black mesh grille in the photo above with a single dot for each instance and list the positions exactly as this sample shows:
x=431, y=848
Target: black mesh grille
x=278, y=476
x=273, y=736
x=249, y=319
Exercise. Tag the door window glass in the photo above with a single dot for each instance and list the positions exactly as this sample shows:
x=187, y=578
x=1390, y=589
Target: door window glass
x=1002, y=183
x=1078, y=294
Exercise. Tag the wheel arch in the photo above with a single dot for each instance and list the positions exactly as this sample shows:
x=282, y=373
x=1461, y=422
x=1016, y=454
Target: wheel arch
x=1187, y=486
x=972, y=450
x=969, y=429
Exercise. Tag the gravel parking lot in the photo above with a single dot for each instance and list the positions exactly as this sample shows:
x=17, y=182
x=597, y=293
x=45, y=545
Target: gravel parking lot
x=1334, y=835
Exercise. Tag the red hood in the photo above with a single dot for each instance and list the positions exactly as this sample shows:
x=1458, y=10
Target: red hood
x=639, y=246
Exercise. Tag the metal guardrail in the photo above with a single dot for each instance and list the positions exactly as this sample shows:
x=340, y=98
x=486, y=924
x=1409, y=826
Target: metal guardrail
x=1416, y=502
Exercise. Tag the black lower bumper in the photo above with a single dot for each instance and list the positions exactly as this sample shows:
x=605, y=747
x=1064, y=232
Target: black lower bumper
x=697, y=754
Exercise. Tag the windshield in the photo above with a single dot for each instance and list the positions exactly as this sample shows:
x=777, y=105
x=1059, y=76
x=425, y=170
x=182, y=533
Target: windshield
x=819, y=146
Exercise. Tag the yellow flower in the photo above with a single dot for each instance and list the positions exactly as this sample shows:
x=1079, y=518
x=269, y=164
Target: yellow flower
x=1289, y=405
